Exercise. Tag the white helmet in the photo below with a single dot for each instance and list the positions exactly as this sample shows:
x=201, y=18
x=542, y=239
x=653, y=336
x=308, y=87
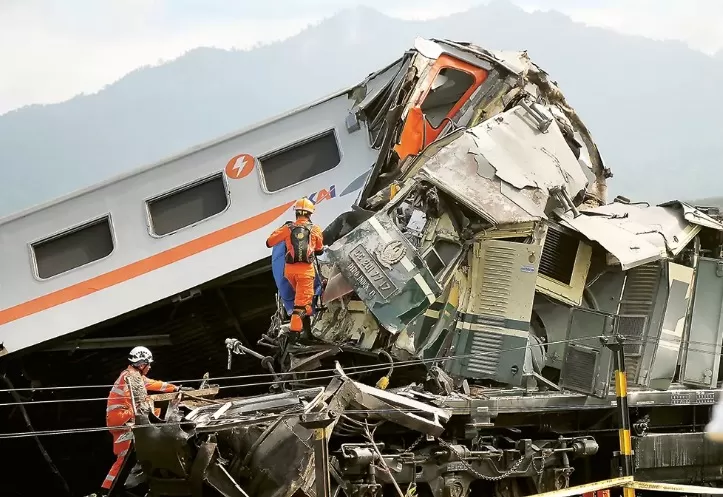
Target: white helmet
x=140, y=354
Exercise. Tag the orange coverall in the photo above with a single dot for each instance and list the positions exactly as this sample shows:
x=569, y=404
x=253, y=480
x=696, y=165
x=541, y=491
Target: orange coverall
x=300, y=274
x=120, y=410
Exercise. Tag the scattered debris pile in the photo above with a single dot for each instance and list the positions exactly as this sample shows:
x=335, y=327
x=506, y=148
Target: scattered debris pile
x=264, y=446
x=472, y=284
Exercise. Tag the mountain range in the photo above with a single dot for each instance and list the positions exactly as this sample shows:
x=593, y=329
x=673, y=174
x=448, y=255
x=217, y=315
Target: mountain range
x=651, y=105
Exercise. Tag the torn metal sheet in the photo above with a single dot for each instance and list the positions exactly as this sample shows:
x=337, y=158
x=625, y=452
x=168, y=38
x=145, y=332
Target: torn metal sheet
x=638, y=234
x=536, y=83
x=525, y=156
x=347, y=321
x=312, y=361
x=380, y=81
x=210, y=413
x=164, y=449
x=428, y=48
x=404, y=411
x=693, y=215
x=506, y=169
x=277, y=457
x=336, y=287
x=459, y=172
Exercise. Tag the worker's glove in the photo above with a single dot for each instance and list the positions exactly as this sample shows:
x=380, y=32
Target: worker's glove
x=322, y=254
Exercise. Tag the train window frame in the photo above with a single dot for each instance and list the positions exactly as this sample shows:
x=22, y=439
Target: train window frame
x=292, y=146
x=106, y=218
x=429, y=91
x=183, y=188
x=443, y=272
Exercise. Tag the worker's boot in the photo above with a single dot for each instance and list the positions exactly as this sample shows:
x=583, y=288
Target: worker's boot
x=306, y=329
x=292, y=337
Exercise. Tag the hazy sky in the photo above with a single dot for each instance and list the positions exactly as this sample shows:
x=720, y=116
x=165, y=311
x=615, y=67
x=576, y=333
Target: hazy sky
x=52, y=50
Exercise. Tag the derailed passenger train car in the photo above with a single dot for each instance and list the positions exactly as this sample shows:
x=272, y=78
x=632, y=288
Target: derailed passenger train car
x=477, y=280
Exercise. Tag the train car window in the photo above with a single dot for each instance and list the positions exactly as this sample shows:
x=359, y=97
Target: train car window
x=300, y=161
x=74, y=248
x=187, y=205
x=447, y=88
x=441, y=255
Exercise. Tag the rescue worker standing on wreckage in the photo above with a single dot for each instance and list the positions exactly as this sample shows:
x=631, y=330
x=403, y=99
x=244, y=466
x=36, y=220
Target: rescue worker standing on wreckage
x=127, y=398
x=304, y=240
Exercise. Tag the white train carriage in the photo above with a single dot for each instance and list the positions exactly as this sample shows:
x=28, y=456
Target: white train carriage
x=166, y=228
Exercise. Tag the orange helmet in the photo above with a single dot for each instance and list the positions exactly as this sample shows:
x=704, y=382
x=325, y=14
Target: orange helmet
x=304, y=204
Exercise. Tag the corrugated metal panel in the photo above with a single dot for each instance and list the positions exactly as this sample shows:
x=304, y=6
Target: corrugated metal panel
x=580, y=369
x=632, y=328
x=558, y=256
x=640, y=287
x=636, y=306
x=488, y=347
x=586, y=360
x=494, y=295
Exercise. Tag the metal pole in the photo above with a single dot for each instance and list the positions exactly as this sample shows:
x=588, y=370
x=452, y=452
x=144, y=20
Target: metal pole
x=321, y=463
x=320, y=422
x=621, y=394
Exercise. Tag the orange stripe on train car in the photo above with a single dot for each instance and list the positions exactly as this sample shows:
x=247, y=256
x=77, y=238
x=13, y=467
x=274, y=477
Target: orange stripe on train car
x=142, y=266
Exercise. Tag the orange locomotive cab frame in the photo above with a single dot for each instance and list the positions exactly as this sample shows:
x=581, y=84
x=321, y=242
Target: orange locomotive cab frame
x=446, y=88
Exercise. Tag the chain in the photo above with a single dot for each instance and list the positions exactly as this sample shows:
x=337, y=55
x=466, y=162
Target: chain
x=541, y=470
x=416, y=442
x=477, y=473
x=542, y=463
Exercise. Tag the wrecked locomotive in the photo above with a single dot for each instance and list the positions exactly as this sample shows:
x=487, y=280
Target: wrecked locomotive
x=475, y=283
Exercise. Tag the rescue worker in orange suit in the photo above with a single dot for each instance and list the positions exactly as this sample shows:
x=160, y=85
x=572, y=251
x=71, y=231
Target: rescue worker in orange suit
x=127, y=398
x=304, y=240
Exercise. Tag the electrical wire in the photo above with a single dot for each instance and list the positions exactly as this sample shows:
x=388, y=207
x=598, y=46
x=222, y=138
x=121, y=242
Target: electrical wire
x=198, y=380
x=220, y=425
x=356, y=370
x=638, y=341
x=241, y=385
x=362, y=370
x=286, y=415
x=283, y=415
x=74, y=431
